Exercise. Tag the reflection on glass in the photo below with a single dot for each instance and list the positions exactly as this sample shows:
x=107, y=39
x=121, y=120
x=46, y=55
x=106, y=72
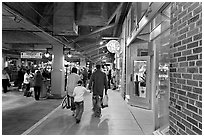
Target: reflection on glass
x=140, y=72
x=163, y=78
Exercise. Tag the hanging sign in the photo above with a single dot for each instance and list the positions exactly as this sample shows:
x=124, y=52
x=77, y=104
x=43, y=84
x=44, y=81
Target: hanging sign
x=31, y=55
x=113, y=46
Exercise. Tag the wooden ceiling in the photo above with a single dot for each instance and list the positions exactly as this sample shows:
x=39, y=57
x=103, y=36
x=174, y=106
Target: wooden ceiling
x=78, y=26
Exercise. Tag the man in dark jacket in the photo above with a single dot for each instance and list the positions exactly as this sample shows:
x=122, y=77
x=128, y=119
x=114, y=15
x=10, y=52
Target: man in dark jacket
x=97, y=83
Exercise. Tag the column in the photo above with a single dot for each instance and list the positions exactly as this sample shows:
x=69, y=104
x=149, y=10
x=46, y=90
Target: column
x=57, y=75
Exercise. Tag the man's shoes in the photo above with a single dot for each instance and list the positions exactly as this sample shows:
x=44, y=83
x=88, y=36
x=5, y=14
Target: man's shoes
x=77, y=121
x=73, y=113
x=99, y=116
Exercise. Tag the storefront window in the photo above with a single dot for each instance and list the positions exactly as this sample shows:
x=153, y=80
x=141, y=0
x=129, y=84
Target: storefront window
x=140, y=71
x=160, y=35
x=163, y=80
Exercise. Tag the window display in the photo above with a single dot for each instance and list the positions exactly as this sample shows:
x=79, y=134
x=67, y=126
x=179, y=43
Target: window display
x=140, y=72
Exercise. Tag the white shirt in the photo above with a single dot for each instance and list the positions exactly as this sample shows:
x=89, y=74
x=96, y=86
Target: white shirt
x=5, y=76
x=26, y=78
x=78, y=93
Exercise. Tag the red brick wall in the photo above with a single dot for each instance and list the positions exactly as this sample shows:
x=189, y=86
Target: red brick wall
x=186, y=68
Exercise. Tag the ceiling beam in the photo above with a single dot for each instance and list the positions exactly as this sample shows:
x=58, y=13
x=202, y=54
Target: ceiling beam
x=121, y=16
x=99, y=59
x=40, y=32
x=98, y=55
x=145, y=37
x=90, y=51
x=88, y=46
x=94, y=49
x=109, y=38
x=92, y=33
x=115, y=13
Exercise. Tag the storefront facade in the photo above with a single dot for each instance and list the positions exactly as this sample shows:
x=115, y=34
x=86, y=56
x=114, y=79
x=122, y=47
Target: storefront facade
x=153, y=70
x=146, y=60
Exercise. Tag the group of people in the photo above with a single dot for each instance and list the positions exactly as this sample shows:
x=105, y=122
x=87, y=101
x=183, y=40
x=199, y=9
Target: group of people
x=26, y=80
x=98, y=83
x=75, y=90
x=34, y=80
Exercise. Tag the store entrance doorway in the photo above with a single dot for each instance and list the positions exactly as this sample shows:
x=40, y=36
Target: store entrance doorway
x=140, y=82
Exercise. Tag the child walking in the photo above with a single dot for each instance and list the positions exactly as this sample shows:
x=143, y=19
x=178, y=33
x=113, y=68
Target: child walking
x=79, y=100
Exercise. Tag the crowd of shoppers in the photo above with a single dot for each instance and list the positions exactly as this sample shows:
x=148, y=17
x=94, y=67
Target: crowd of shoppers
x=78, y=82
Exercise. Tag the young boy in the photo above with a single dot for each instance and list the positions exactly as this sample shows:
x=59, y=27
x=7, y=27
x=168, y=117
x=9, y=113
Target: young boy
x=79, y=100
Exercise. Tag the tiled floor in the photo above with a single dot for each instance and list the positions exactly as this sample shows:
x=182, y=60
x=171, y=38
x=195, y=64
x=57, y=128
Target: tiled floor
x=118, y=119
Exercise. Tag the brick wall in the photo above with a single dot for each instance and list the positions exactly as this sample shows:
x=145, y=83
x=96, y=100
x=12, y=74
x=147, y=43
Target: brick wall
x=186, y=68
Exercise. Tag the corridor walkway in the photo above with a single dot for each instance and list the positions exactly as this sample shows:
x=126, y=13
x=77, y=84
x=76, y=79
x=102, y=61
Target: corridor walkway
x=118, y=119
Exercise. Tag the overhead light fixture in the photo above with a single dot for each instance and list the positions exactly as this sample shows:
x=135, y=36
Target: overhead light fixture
x=17, y=19
x=110, y=38
x=47, y=54
x=101, y=43
x=69, y=55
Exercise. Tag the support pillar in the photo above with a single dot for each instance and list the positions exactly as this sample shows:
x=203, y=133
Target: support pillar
x=57, y=75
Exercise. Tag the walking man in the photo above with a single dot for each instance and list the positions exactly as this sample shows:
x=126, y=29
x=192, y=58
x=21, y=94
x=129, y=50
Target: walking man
x=72, y=81
x=98, y=83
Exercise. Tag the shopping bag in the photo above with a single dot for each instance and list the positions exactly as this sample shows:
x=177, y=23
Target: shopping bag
x=32, y=89
x=105, y=101
x=66, y=102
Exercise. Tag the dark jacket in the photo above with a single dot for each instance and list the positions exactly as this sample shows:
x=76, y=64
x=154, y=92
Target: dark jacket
x=38, y=80
x=98, y=82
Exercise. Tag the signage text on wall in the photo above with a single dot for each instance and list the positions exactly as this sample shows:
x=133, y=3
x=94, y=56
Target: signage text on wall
x=37, y=55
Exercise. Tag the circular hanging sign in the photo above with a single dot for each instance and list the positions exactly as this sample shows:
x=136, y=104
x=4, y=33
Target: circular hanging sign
x=113, y=46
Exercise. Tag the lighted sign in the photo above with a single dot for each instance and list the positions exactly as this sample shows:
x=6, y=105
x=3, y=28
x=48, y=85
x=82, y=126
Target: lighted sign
x=113, y=46
x=31, y=55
